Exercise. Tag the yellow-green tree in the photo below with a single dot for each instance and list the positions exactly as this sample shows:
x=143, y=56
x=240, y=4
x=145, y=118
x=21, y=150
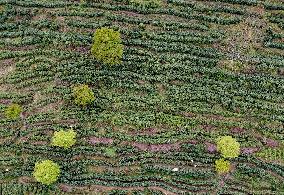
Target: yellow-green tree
x=222, y=166
x=107, y=46
x=64, y=139
x=13, y=111
x=83, y=95
x=228, y=146
x=46, y=172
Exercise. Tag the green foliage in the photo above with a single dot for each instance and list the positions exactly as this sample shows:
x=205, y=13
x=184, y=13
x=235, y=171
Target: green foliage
x=271, y=154
x=110, y=152
x=64, y=139
x=46, y=172
x=234, y=65
x=228, y=147
x=222, y=166
x=179, y=87
x=28, y=188
x=146, y=3
x=83, y=95
x=107, y=46
x=2, y=9
x=13, y=111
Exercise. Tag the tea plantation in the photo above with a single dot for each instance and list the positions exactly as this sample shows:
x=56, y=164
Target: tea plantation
x=141, y=97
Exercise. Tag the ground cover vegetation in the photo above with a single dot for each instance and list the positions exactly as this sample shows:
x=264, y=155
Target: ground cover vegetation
x=142, y=97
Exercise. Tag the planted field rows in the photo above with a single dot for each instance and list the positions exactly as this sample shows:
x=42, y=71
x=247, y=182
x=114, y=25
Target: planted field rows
x=191, y=71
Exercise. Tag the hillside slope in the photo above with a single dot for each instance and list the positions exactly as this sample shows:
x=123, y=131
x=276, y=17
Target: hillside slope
x=192, y=70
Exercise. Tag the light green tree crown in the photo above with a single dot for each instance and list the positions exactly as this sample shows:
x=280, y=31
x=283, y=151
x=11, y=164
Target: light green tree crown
x=46, y=172
x=222, y=166
x=228, y=147
x=107, y=46
x=83, y=95
x=64, y=139
x=13, y=111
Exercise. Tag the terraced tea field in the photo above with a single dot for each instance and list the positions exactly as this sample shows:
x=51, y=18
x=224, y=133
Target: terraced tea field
x=191, y=72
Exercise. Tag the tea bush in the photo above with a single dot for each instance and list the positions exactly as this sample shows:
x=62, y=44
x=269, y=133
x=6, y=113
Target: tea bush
x=46, y=172
x=107, y=46
x=146, y=3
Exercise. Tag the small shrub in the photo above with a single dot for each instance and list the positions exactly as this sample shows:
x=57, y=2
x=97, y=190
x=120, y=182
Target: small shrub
x=107, y=46
x=228, y=147
x=233, y=65
x=110, y=152
x=64, y=139
x=46, y=172
x=83, y=95
x=146, y=3
x=222, y=166
x=13, y=111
